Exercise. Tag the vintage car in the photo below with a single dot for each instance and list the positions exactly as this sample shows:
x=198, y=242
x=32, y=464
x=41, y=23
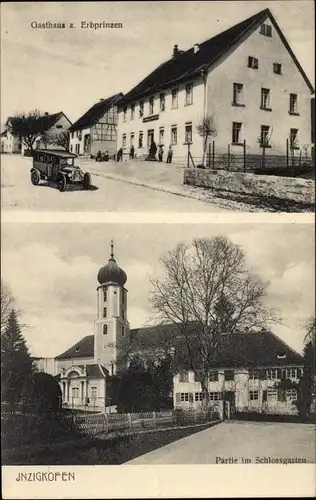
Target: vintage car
x=58, y=167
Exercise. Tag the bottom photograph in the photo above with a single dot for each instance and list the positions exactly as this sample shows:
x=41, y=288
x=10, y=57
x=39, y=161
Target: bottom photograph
x=157, y=344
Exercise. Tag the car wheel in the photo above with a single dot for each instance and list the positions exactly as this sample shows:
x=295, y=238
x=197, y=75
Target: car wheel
x=87, y=180
x=62, y=183
x=35, y=177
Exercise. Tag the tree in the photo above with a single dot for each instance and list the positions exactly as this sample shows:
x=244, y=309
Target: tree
x=206, y=128
x=28, y=126
x=206, y=290
x=60, y=139
x=310, y=329
x=41, y=393
x=7, y=303
x=16, y=363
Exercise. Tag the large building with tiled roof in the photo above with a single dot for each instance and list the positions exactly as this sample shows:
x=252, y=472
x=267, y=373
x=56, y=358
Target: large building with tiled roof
x=246, y=78
x=96, y=129
x=244, y=369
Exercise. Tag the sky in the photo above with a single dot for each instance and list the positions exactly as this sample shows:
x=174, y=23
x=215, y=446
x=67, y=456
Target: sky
x=71, y=69
x=52, y=271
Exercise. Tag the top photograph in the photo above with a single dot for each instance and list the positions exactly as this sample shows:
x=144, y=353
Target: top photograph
x=158, y=107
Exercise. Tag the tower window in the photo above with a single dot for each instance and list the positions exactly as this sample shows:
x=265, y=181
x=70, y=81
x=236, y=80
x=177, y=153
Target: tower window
x=123, y=314
x=105, y=312
x=105, y=295
x=105, y=329
x=123, y=331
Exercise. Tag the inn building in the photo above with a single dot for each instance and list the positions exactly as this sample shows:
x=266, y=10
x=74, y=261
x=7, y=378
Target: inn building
x=246, y=78
x=244, y=370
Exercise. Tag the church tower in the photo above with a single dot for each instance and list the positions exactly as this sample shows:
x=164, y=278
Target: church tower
x=111, y=326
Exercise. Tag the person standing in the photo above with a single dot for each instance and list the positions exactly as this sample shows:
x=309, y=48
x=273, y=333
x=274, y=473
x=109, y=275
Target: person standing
x=106, y=156
x=160, y=153
x=169, y=155
x=132, y=153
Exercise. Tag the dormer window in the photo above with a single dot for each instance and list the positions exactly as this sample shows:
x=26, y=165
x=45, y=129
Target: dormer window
x=281, y=355
x=77, y=349
x=253, y=62
x=266, y=30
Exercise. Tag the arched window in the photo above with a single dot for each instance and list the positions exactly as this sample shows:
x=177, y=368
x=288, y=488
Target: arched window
x=104, y=312
x=105, y=329
x=105, y=294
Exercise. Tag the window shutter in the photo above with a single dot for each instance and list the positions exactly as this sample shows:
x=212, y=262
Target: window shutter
x=178, y=397
x=264, y=396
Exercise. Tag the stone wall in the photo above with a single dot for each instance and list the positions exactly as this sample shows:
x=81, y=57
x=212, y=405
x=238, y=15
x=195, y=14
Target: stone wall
x=266, y=186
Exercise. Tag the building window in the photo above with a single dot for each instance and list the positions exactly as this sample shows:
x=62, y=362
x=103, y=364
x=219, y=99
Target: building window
x=124, y=141
x=265, y=136
x=94, y=392
x=132, y=139
x=184, y=396
x=105, y=312
x=266, y=29
x=161, y=136
x=123, y=331
x=253, y=62
x=291, y=373
x=151, y=105
x=141, y=108
x=124, y=113
x=132, y=111
x=213, y=376
x=123, y=314
x=238, y=94
x=293, y=104
x=294, y=138
x=105, y=329
x=75, y=392
x=277, y=68
x=254, y=375
x=189, y=94
x=198, y=396
x=105, y=295
x=236, y=133
x=254, y=395
x=188, y=133
x=140, y=139
x=229, y=375
x=162, y=98
x=291, y=394
x=72, y=135
x=215, y=396
x=174, y=135
x=272, y=394
x=184, y=377
x=265, y=99
x=273, y=374
x=174, y=98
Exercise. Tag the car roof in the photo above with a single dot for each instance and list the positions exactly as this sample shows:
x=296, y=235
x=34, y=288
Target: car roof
x=60, y=153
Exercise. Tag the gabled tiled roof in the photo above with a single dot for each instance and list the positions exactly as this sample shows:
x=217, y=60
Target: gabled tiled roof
x=82, y=349
x=188, y=64
x=96, y=112
x=4, y=133
x=93, y=371
x=47, y=121
x=242, y=349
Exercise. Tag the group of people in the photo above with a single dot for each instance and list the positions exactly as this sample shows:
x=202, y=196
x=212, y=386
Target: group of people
x=152, y=154
x=153, y=151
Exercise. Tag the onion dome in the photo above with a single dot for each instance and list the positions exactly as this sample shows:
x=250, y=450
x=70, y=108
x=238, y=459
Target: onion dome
x=112, y=273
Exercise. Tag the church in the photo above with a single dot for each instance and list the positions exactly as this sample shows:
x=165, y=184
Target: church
x=245, y=370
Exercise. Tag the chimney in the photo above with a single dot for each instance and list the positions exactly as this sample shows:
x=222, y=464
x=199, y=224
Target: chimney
x=175, y=50
x=196, y=48
x=46, y=113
